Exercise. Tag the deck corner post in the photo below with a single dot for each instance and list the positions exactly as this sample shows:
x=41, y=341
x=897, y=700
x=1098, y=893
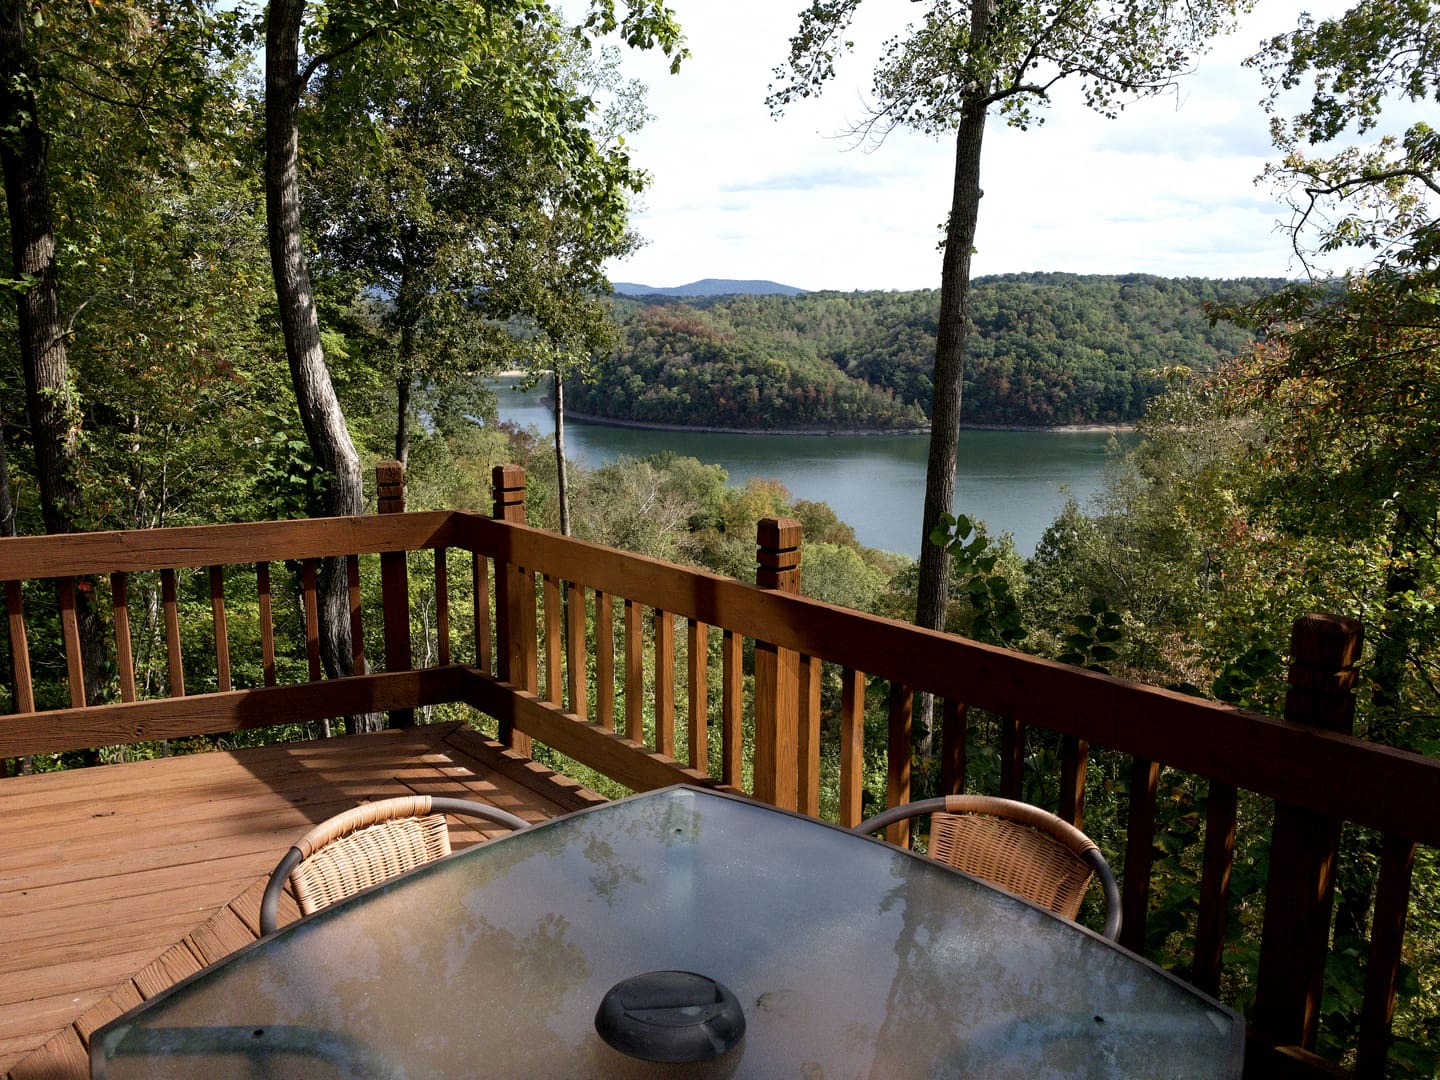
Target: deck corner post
x=395, y=584
x=1304, y=844
x=514, y=634
x=777, y=673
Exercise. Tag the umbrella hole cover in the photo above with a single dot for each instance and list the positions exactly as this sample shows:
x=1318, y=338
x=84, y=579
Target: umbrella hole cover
x=670, y=1016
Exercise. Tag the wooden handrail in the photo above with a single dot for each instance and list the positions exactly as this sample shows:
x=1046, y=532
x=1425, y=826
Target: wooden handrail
x=1382, y=787
x=1376, y=786
x=25, y=558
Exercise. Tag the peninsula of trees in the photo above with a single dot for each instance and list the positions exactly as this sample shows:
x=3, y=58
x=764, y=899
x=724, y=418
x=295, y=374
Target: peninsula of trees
x=1047, y=350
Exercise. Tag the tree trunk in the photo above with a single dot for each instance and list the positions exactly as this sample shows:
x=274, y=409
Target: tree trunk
x=32, y=249
x=7, y=504
x=407, y=314
x=563, y=479
x=54, y=430
x=320, y=413
x=402, y=419
x=933, y=590
x=931, y=601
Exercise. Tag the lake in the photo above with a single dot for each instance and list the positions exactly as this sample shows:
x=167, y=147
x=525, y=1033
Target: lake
x=1014, y=481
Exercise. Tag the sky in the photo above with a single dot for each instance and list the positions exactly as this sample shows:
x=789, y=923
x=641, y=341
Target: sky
x=1168, y=188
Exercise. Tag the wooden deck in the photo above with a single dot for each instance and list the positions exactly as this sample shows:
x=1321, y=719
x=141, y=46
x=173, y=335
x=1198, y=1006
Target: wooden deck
x=117, y=881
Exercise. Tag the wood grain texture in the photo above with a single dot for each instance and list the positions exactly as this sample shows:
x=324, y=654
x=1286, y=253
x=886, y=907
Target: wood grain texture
x=852, y=747
x=168, y=876
x=1385, y=788
x=697, y=686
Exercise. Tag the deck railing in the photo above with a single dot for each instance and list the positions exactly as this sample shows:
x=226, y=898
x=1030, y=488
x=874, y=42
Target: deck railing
x=529, y=637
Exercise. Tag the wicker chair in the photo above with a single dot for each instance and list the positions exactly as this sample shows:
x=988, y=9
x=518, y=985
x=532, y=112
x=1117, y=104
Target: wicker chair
x=366, y=845
x=1017, y=846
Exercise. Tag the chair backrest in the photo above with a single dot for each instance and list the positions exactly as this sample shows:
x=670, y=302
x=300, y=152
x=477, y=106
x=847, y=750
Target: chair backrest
x=1019, y=847
x=366, y=845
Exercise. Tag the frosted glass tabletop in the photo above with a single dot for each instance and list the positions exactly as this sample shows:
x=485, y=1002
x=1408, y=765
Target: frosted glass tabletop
x=849, y=958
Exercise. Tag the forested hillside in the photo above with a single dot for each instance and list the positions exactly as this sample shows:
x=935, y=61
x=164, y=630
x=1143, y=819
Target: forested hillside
x=1048, y=350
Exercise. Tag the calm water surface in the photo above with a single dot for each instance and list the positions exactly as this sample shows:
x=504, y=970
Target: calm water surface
x=1015, y=481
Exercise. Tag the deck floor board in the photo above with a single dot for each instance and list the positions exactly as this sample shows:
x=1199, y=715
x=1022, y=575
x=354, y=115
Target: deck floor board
x=117, y=881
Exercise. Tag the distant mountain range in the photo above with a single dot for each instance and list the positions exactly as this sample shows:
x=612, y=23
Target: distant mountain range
x=710, y=287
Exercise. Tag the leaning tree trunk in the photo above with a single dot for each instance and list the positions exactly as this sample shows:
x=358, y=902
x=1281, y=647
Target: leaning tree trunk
x=933, y=590
x=320, y=413
x=40, y=330
x=930, y=603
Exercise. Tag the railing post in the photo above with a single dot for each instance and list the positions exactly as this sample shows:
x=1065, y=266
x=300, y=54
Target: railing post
x=514, y=634
x=395, y=584
x=777, y=673
x=1304, y=845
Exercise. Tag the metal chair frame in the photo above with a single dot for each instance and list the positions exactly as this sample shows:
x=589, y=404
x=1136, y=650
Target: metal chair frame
x=366, y=845
x=1021, y=848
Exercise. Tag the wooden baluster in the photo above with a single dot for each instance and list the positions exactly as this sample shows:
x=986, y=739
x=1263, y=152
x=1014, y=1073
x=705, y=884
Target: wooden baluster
x=898, y=750
x=1305, y=845
x=357, y=625
x=442, y=606
x=480, y=592
x=171, y=606
x=1073, y=754
x=124, y=650
x=1139, y=848
x=514, y=643
x=777, y=674
x=1012, y=758
x=19, y=648
x=634, y=673
x=852, y=748
x=808, y=740
x=529, y=631
x=604, y=661
x=394, y=588
x=70, y=636
x=554, y=671
x=312, y=617
x=575, y=654
x=732, y=709
x=1220, y=806
x=222, y=633
x=665, y=682
x=697, y=685
x=1382, y=968
x=954, y=733
x=267, y=622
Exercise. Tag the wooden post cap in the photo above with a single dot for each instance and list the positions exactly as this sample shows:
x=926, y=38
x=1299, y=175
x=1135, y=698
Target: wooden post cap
x=508, y=484
x=390, y=486
x=778, y=557
x=1324, y=650
x=778, y=534
x=507, y=477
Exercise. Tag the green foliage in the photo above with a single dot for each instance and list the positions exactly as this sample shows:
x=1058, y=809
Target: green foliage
x=1092, y=642
x=1010, y=55
x=1046, y=350
x=1375, y=195
x=995, y=610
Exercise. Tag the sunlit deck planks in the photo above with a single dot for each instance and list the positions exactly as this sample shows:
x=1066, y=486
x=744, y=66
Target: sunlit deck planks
x=119, y=880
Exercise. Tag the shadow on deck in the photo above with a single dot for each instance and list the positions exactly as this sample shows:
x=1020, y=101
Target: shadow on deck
x=118, y=881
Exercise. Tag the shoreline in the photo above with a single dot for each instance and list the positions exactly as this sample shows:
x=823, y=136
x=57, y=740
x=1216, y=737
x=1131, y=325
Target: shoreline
x=710, y=429
x=705, y=429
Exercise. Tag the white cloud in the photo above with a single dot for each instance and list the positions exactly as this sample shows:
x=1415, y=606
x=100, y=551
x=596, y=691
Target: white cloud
x=1167, y=188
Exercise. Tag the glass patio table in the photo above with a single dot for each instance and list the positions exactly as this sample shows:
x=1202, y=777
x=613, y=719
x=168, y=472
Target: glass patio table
x=846, y=957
